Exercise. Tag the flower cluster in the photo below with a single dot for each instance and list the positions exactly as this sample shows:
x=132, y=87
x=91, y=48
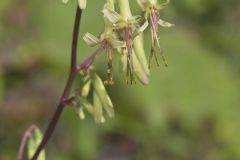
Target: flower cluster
x=92, y=97
x=151, y=10
x=123, y=36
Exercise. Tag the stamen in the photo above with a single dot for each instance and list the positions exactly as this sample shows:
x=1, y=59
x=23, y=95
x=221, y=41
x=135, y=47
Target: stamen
x=128, y=38
x=154, y=34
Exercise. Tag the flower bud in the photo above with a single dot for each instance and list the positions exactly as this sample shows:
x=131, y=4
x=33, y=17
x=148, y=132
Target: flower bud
x=103, y=96
x=139, y=71
x=81, y=113
x=98, y=111
x=140, y=53
x=137, y=68
x=86, y=88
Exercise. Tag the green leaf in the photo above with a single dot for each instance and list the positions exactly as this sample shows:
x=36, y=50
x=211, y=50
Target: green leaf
x=33, y=143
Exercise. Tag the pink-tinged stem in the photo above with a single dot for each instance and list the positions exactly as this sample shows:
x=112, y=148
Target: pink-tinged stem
x=86, y=63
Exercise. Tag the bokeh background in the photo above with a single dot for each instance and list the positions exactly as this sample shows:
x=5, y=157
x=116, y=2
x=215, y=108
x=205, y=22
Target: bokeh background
x=189, y=111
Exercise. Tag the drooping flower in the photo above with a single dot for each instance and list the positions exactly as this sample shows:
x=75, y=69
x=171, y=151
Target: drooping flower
x=128, y=28
x=121, y=35
x=151, y=9
x=108, y=41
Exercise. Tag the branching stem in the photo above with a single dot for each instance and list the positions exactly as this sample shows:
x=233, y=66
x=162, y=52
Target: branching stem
x=73, y=72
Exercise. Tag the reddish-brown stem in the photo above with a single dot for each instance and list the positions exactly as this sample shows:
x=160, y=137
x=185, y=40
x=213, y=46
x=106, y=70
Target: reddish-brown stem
x=72, y=75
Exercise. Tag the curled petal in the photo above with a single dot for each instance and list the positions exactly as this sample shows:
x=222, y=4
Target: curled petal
x=91, y=39
x=143, y=27
x=112, y=16
x=163, y=5
x=118, y=44
x=135, y=19
x=164, y=23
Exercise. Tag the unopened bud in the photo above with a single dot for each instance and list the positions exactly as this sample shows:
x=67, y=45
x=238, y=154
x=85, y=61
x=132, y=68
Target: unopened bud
x=140, y=53
x=139, y=71
x=98, y=111
x=86, y=88
x=103, y=96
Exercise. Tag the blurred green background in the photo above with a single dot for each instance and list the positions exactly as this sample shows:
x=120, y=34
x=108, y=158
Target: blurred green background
x=189, y=111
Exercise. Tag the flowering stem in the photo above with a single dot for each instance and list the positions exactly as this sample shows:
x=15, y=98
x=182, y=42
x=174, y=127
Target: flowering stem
x=66, y=92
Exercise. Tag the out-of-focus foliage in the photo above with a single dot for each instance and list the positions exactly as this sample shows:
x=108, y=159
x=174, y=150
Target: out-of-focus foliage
x=1, y=86
x=188, y=111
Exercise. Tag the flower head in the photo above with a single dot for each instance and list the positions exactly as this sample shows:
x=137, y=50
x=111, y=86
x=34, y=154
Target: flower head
x=127, y=27
x=109, y=42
